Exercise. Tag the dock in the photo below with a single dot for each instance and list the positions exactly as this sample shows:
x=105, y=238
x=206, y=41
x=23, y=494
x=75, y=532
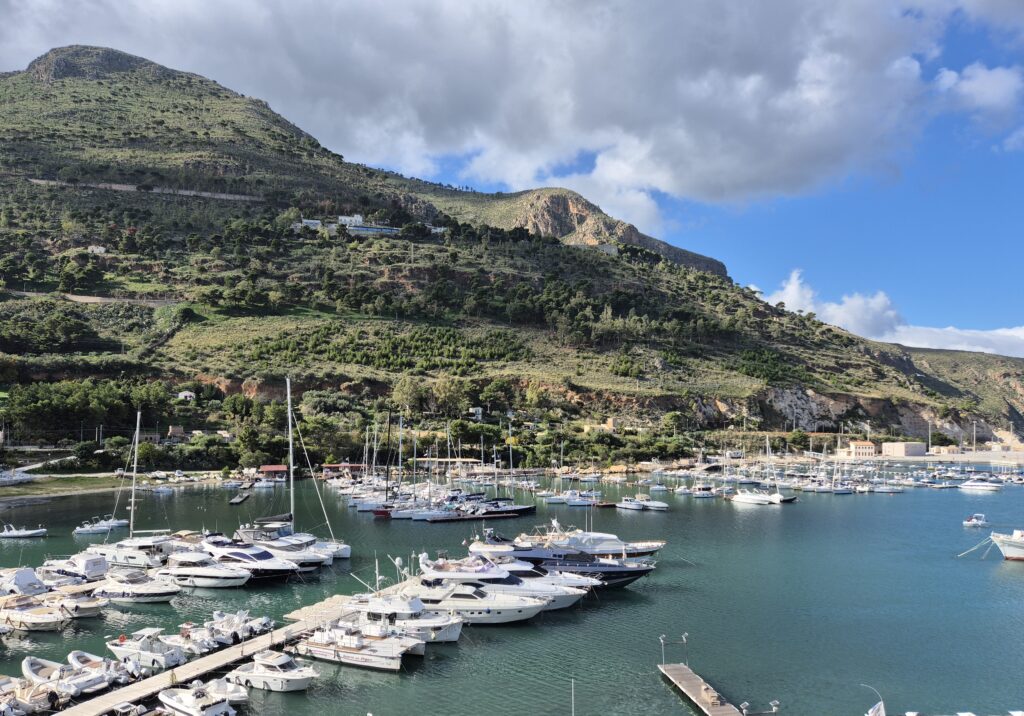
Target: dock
x=239, y=498
x=700, y=693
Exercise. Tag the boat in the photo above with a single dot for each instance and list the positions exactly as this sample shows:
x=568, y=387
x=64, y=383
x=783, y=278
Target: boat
x=116, y=672
x=407, y=614
x=474, y=605
x=21, y=696
x=629, y=503
x=980, y=484
x=1011, y=545
x=260, y=563
x=703, y=490
x=235, y=627
x=479, y=572
x=63, y=677
x=22, y=580
x=273, y=671
x=9, y=531
x=84, y=565
x=649, y=504
x=149, y=648
x=193, y=639
x=976, y=520
x=133, y=586
x=195, y=701
x=224, y=689
x=144, y=552
x=345, y=644
x=749, y=497
x=683, y=490
x=199, y=569
x=598, y=544
x=25, y=613
x=77, y=606
x=100, y=526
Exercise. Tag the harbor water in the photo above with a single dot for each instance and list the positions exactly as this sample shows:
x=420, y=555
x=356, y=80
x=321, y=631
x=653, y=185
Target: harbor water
x=801, y=603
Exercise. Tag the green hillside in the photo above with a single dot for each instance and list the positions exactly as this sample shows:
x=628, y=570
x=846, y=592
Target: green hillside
x=511, y=308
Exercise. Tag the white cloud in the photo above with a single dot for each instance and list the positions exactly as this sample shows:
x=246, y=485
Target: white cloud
x=875, y=316
x=979, y=88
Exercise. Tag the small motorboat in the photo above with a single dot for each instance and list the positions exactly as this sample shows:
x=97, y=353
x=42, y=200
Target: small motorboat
x=11, y=532
x=116, y=672
x=76, y=606
x=133, y=586
x=976, y=520
x=232, y=628
x=26, y=613
x=629, y=503
x=195, y=702
x=273, y=671
x=649, y=504
x=222, y=688
x=149, y=648
x=193, y=639
x=63, y=677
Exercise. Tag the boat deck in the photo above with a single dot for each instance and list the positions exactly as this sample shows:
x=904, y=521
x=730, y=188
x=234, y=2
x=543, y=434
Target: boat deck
x=700, y=693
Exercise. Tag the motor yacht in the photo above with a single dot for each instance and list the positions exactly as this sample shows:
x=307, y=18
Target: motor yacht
x=702, y=490
x=750, y=497
x=199, y=569
x=148, y=648
x=144, y=552
x=25, y=613
x=629, y=503
x=1011, y=546
x=980, y=485
x=260, y=563
x=474, y=605
x=527, y=570
x=133, y=586
x=84, y=565
x=598, y=544
x=649, y=504
x=407, y=614
x=273, y=671
x=476, y=571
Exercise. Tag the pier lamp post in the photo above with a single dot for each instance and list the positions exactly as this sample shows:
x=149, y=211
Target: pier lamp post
x=662, y=640
x=686, y=650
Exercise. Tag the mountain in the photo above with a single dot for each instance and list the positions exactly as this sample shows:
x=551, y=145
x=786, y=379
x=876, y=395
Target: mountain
x=169, y=200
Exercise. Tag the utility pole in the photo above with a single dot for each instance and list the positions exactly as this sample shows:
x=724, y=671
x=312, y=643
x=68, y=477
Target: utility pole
x=974, y=447
x=929, y=436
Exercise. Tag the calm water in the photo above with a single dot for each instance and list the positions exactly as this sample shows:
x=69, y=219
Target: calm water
x=800, y=603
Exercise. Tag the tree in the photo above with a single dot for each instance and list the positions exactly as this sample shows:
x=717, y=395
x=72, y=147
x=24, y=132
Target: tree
x=409, y=393
x=449, y=396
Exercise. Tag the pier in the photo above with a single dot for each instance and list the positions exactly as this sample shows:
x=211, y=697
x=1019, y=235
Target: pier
x=700, y=693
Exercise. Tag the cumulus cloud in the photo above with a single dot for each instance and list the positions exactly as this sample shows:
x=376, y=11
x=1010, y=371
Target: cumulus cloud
x=704, y=100
x=874, y=316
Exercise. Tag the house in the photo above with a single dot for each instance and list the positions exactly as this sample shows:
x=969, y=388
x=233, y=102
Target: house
x=946, y=450
x=97, y=250
x=911, y=449
x=477, y=414
x=337, y=469
x=608, y=426
x=175, y=432
x=151, y=436
x=271, y=471
x=610, y=249
x=436, y=230
x=313, y=224
x=225, y=435
x=186, y=395
x=861, y=448
x=354, y=220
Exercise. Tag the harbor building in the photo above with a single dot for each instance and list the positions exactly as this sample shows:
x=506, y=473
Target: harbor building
x=862, y=448
x=911, y=449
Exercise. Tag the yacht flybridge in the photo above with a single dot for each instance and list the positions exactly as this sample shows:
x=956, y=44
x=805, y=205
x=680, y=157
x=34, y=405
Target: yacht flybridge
x=407, y=614
x=260, y=563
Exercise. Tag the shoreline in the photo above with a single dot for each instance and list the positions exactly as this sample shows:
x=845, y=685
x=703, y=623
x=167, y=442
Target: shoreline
x=20, y=500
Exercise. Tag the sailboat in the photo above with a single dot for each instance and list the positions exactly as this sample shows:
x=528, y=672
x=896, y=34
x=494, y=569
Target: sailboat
x=151, y=549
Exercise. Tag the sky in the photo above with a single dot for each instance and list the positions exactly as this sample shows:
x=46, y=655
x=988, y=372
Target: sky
x=859, y=159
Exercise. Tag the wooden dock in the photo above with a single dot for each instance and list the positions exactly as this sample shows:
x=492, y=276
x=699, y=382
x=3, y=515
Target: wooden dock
x=699, y=692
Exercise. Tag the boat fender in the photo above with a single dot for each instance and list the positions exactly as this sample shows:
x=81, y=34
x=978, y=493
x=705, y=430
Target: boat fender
x=488, y=610
x=122, y=639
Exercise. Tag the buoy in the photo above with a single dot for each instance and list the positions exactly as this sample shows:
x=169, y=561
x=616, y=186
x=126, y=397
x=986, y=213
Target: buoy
x=122, y=639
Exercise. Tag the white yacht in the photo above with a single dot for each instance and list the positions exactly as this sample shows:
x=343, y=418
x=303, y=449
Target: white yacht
x=629, y=503
x=273, y=671
x=481, y=573
x=1011, y=545
x=77, y=606
x=149, y=648
x=407, y=614
x=749, y=497
x=85, y=566
x=145, y=552
x=346, y=644
x=474, y=605
x=22, y=580
x=526, y=570
x=198, y=569
x=260, y=563
x=980, y=485
x=133, y=586
x=598, y=544
x=25, y=613
x=703, y=490
x=649, y=504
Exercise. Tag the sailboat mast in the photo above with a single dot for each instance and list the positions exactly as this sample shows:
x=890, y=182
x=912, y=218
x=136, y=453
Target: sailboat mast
x=291, y=458
x=135, y=473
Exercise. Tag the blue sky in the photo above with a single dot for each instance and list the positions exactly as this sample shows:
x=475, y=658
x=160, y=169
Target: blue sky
x=856, y=158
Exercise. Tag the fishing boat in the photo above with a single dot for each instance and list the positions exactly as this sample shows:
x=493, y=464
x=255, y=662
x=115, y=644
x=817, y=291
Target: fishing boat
x=1011, y=545
x=976, y=520
x=198, y=569
x=149, y=648
x=133, y=586
x=408, y=614
x=9, y=531
x=25, y=613
x=195, y=701
x=345, y=644
x=273, y=671
x=63, y=677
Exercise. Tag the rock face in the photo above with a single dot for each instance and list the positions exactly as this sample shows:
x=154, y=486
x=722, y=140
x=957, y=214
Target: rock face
x=91, y=63
x=570, y=217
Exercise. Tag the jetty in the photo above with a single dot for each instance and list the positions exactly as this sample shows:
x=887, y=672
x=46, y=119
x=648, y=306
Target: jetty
x=239, y=498
x=700, y=693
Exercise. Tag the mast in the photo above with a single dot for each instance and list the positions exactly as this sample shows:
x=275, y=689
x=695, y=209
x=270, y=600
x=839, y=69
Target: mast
x=135, y=473
x=401, y=433
x=291, y=458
